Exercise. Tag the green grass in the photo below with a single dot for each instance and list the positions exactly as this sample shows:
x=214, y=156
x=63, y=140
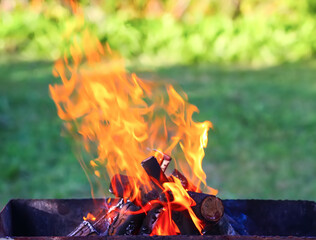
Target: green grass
x=262, y=145
x=36, y=161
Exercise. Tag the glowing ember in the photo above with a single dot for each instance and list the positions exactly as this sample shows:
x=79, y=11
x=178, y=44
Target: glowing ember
x=118, y=116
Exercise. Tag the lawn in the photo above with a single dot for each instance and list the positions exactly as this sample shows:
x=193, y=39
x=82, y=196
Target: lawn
x=263, y=144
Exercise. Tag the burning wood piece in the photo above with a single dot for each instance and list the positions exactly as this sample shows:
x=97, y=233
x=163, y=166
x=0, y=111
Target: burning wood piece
x=212, y=208
x=181, y=218
x=164, y=160
x=84, y=229
x=128, y=218
x=184, y=181
x=154, y=171
x=184, y=222
x=151, y=195
x=157, y=177
x=208, y=207
x=121, y=186
x=150, y=220
x=101, y=225
x=127, y=221
x=166, y=196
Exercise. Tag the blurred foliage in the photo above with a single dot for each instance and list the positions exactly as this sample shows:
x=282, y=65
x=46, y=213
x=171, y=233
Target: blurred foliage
x=167, y=31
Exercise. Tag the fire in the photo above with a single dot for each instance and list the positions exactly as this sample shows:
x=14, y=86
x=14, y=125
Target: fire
x=118, y=116
x=89, y=217
x=162, y=228
x=182, y=201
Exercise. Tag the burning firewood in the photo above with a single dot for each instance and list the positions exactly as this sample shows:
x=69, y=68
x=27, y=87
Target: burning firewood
x=184, y=222
x=127, y=222
x=84, y=229
x=154, y=171
x=150, y=220
x=208, y=207
x=184, y=181
x=140, y=216
x=181, y=218
x=117, y=115
x=164, y=161
x=120, y=185
x=100, y=225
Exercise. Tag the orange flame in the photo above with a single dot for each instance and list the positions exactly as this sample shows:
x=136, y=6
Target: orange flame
x=165, y=226
x=182, y=201
x=118, y=116
x=89, y=217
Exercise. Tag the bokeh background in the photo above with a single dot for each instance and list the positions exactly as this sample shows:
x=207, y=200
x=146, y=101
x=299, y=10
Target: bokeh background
x=248, y=65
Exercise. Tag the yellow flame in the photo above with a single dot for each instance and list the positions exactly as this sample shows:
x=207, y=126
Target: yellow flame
x=118, y=116
x=182, y=198
x=89, y=217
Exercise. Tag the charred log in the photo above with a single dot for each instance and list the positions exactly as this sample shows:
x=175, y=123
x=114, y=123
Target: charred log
x=150, y=220
x=212, y=208
x=127, y=221
x=84, y=229
x=121, y=185
x=184, y=222
x=103, y=220
x=186, y=184
x=208, y=208
x=165, y=162
x=127, y=218
x=154, y=171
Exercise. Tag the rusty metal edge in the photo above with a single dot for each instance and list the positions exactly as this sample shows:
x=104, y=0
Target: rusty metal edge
x=180, y=237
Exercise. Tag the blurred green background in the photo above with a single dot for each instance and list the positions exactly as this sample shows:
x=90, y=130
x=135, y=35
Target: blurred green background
x=248, y=65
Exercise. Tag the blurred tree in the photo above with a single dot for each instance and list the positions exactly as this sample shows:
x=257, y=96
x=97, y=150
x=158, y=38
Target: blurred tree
x=311, y=6
x=182, y=31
